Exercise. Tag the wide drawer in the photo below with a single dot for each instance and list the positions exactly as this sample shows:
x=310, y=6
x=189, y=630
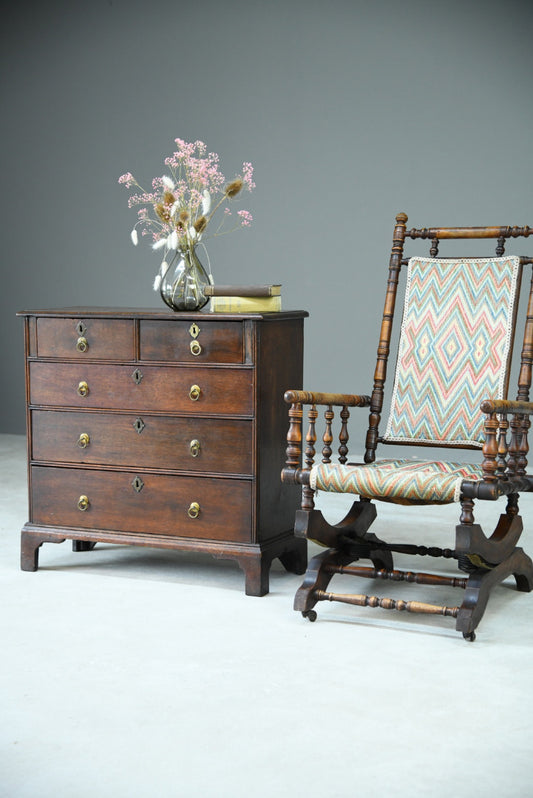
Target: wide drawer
x=104, y=339
x=193, y=507
x=187, y=389
x=162, y=442
x=186, y=341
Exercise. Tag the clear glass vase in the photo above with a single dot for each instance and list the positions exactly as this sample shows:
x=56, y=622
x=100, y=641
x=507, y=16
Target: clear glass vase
x=183, y=286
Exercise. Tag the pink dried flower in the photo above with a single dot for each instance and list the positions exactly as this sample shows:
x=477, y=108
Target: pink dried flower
x=196, y=188
x=247, y=174
x=246, y=218
x=128, y=180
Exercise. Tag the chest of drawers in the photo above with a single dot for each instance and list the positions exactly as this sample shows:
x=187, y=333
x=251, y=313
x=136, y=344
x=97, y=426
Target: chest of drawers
x=162, y=429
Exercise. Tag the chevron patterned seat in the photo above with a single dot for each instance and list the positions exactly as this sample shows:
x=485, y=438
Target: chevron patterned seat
x=397, y=481
x=449, y=390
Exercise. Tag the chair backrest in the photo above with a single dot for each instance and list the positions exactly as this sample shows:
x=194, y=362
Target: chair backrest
x=456, y=339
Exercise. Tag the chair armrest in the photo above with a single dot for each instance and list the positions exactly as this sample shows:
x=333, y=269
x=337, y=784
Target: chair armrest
x=300, y=460
x=506, y=406
x=337, y=399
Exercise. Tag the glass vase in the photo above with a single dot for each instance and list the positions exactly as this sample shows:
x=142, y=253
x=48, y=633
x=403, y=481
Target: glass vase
x=183, y=286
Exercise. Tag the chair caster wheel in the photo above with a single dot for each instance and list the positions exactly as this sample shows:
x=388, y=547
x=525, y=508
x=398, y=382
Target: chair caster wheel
x=469, y=636
x=310, y=615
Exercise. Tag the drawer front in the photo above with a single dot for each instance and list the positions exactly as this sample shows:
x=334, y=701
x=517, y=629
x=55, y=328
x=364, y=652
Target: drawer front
x=187, y=443
x=143, y=503
x=192, y=342
x=104, y=339
x=166, y=390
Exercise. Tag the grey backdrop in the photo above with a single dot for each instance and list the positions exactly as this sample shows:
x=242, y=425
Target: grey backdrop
x=349, y=110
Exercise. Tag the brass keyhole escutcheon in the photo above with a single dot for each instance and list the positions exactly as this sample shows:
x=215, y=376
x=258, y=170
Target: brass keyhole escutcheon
x=196, y=348
x=194, y=393
x=194, y=510
x=81, y=329
x=137, y=376
x=83, y=388
x=83, y=440
x=83, y=503
x=82, y=344
x=138, y=425
x=194, y=448
x=137, y=484
x=194, y=330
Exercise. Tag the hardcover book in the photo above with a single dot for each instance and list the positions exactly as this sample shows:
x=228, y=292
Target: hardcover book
x=244, y=304
x=243, y=290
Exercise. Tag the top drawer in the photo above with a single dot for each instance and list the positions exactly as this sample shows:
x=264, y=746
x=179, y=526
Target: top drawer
x=192, y=342
x=86, y=338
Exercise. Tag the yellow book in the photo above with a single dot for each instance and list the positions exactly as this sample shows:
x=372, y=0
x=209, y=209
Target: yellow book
x=245, y=304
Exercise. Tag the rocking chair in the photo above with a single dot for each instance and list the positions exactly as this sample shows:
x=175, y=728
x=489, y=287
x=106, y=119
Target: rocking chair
x=450, y=390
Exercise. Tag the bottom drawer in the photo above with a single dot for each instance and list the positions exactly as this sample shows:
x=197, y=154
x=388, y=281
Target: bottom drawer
x=192, y=507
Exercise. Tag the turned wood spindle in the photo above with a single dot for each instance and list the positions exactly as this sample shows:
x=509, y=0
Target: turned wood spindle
x=294, y=437
x=308, y=501
x=503, y=447
x=524, y=446
x=327, y=438
x=512, y=504
x=418, y=578
x=490, y=448
x=380, y=373
x=310, y=437
x=500, y=247
x=514, y=446
x=526, y=357
x=387, y=603
x=343, y=435
x=467, y=511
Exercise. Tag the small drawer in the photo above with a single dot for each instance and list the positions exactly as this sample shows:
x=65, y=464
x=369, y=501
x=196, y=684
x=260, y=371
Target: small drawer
x=198, y=390
x=192, y=342
x=80, y=338
x=208, y=508
x=160, y=442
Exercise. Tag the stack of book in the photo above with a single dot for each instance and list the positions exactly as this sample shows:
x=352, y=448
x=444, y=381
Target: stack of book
x=244, y=298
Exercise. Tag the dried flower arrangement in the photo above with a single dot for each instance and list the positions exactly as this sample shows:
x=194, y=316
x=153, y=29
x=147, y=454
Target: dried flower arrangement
x=185, y=201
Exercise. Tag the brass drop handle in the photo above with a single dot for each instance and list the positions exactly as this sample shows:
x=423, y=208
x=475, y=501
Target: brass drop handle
x=194, y=393
x=194, y=448
x=194, y=510
x=83, y=440
x=83, y=388
x=83, y=503
x=82, y=344
x=196, y=348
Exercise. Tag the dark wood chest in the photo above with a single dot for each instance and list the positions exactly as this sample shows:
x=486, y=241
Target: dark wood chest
x=162, y=429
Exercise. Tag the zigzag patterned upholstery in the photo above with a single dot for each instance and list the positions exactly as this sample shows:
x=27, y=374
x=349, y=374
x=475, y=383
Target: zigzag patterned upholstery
x=455, y=348
x=398, y=481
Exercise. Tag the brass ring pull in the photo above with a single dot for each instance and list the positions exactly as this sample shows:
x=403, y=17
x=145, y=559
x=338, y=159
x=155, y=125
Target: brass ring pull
x=194, y=448
x=83, y=388
x=194, y=510
x=83, y=503
x=82, y=344
x=83, y=440
x=196, y=348
x=194, y=393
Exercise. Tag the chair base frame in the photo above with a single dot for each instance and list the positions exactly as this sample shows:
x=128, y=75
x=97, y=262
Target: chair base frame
x=487, y=560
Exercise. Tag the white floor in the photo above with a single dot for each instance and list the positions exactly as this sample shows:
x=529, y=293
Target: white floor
x=130, y=673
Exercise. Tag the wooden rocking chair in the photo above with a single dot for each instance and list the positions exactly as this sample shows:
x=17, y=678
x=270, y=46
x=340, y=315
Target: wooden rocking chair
x=450, y=390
